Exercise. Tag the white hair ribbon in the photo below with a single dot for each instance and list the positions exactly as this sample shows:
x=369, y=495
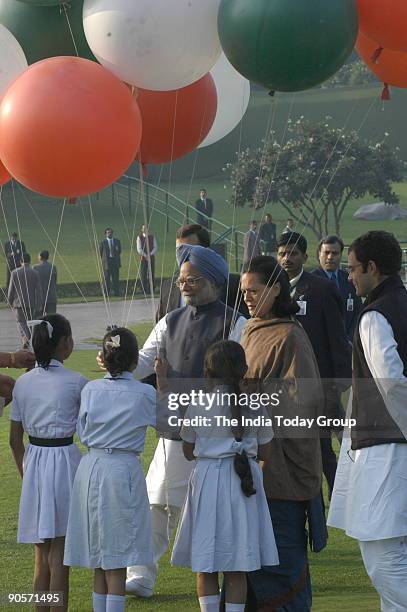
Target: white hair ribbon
x=35, y=322
x=114, y=342
x=238, y=446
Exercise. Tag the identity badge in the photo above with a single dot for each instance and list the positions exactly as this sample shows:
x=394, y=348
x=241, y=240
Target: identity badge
x=349, y=304
x=303, y=308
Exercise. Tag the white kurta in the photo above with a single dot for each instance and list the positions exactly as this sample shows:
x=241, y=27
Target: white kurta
x=369, y=500
x=46, y=402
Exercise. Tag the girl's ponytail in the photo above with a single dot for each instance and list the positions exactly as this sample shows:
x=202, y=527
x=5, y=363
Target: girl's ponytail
x=46, y=336
x=226, y=361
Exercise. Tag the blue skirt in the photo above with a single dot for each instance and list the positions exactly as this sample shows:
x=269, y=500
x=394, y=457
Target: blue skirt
x=109, y=523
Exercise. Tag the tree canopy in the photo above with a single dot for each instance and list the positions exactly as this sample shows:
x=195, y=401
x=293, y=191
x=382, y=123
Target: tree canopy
x=315, y=174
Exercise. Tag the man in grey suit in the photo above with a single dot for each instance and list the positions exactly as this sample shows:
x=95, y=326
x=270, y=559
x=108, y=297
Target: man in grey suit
x=251, y=243
x=48, y=278
x=25, y=296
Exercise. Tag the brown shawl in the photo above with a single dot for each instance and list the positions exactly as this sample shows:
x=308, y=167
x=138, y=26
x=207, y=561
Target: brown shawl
x=279, y=353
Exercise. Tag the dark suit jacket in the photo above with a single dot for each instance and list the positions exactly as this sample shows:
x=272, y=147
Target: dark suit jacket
x=105, y=255
x=170, y=297
x=14, y=253
x=268, y=235
x=47, y=271
x=204, y=208
x=347, y=290
x=324, y=324
x=25, y=291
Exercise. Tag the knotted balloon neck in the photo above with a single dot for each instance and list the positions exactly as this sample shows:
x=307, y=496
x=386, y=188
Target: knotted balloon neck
x=376, y=55
x=386, y=93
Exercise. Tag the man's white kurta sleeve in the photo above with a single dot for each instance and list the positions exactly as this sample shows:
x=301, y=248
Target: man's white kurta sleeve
x=154, y=343
x=385, y=364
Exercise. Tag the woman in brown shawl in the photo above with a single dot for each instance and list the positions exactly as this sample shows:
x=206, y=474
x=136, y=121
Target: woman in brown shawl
x=280, y=355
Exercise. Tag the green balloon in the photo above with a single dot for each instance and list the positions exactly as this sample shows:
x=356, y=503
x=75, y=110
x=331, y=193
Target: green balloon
x=287, y=45
x=44, y=31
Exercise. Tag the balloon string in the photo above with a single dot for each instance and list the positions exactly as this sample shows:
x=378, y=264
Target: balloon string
x=262, y=163
x=147, y=243
x=4, y=251
x=238, y=299
x=53, y=244
x=53, y=258
x=155, y=198
x=64, y=8
x=21, y=238
x=132, y=254
x=102, y=279
x=304, y=222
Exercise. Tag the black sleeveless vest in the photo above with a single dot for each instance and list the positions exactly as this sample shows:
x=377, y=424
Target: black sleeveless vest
x=374, y=425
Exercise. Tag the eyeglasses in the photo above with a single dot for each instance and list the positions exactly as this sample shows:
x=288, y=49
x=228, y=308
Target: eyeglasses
x=189, y=280
x=351, y=269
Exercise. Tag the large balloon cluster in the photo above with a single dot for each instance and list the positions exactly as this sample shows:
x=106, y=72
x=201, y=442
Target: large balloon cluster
x=107, y=82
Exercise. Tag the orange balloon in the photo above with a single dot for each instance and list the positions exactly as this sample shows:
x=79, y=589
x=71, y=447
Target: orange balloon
x=68, y=127
x=176, y=122
x=4, y=175
x=384, y=21
x=390, y=66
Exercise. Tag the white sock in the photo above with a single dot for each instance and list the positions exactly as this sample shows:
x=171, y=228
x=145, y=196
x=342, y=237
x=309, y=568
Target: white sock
x=229, y=607
x=99, y=602
x=209, y=603
x=115, y=603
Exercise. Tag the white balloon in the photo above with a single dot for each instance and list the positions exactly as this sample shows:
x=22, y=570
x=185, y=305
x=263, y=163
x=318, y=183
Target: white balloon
x=154, y=44
x=233, y=99
x=12, y=59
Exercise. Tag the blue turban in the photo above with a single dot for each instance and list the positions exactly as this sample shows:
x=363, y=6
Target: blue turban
x=211, y=265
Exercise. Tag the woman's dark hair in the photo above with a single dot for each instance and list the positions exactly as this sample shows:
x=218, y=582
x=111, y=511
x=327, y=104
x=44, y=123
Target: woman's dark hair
x=44, y=346
x=226, y=362
x=270, y=272
x=118, y=359
x=380, y=247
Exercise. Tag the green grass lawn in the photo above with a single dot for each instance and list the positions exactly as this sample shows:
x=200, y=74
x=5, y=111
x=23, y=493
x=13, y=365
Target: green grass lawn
x=339, y=579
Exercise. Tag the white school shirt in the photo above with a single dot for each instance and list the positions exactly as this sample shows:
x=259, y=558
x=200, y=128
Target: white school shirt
x=115, y=413
x=156, y=341
x=47, y=401
x=214, y=440
x=369, y=500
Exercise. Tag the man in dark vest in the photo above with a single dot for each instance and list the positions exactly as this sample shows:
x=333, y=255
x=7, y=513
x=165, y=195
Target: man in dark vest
x=146, y=248
x=369, y=501
x=183, y=336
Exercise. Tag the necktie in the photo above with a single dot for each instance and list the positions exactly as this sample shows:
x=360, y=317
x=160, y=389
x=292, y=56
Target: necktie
x=334, y=278
x=111, y=247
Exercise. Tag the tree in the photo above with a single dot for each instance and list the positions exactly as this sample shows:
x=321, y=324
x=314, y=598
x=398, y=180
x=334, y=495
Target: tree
x=315, y=174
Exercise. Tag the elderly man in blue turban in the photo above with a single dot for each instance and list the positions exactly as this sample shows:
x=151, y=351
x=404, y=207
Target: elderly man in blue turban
x=183, y=336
